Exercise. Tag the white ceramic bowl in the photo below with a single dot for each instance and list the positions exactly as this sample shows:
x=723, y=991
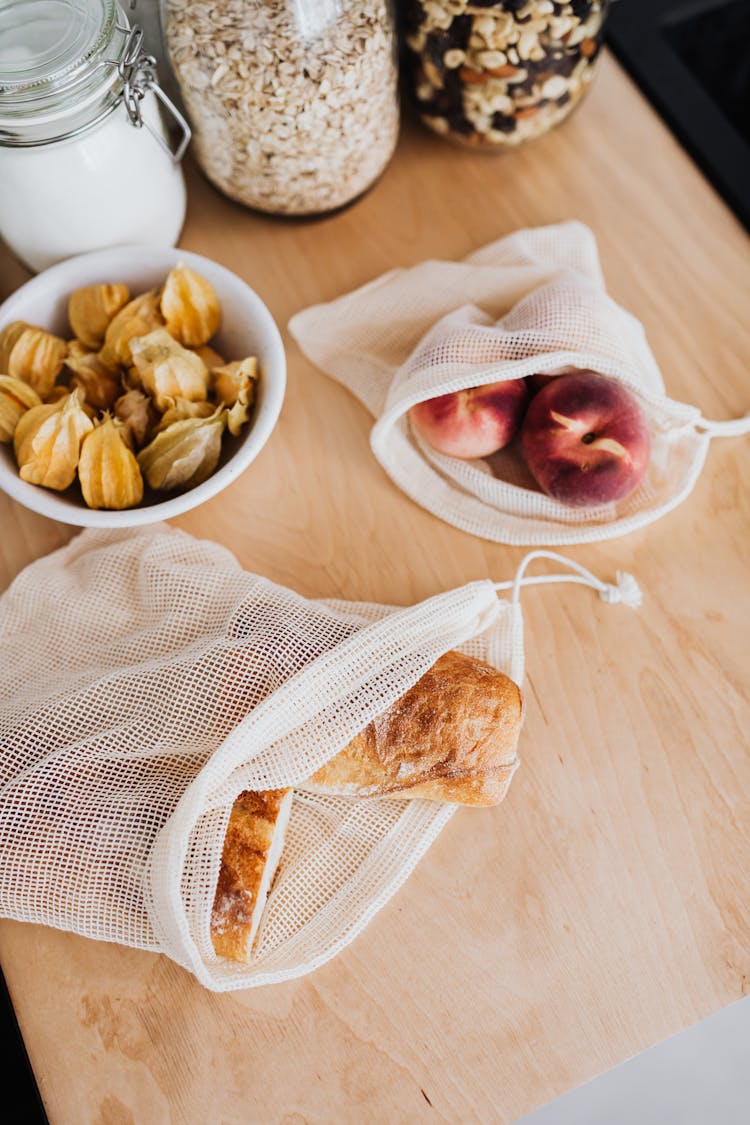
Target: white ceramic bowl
x=247, y=329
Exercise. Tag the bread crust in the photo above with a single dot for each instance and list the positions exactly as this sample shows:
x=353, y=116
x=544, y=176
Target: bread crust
x=248, y=844
x=451, y=737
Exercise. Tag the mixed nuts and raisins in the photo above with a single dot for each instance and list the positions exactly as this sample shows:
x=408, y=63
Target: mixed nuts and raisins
x=493, y=74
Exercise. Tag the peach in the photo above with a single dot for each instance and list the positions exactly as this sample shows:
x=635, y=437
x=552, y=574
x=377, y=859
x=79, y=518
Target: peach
x=536, y=382
x=586, y=440
x=472, y=423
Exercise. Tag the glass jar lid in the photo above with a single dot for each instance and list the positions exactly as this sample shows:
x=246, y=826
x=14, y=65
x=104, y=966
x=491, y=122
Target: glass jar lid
x=66, y=65
x=59, y=67
x=46, y=44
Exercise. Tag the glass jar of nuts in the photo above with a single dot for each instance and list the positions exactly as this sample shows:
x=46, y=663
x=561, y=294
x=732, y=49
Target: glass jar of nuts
x=293, y=103
x=493, y=74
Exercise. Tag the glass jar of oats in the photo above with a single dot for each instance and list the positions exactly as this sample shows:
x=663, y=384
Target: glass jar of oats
x=493, y=73
x=293, y=103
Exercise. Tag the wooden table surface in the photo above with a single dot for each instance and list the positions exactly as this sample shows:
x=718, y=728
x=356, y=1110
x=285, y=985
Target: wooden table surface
x=606, y=904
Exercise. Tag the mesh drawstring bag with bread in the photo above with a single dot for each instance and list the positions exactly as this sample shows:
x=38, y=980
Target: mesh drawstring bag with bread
x=164, y=714
x=531, y=303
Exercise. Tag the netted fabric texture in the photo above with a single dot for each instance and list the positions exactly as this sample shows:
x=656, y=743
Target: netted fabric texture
x=534, y=302
x=146, y=680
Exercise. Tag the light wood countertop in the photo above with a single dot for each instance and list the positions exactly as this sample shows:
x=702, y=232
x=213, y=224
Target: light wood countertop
x=606, y=904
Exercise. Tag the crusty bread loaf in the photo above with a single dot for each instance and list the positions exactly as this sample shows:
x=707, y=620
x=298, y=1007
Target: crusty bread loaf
x=252, y=848
x=451, y=737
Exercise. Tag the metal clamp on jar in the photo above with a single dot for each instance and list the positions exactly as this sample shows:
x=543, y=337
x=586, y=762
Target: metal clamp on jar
x=85, y=157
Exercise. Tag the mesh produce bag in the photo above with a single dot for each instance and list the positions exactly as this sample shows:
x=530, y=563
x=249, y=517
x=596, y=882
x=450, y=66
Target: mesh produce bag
x=531, y=303
x=146, y=680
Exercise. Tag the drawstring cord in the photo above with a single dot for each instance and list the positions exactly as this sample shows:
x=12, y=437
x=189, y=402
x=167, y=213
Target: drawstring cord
x=732, y=428
x=625, y=591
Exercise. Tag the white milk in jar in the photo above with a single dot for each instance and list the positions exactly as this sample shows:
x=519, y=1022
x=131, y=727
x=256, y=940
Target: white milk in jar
x=85, y=161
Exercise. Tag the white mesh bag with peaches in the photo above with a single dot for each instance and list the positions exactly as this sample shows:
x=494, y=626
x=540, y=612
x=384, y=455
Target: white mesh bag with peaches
x=513, y=398
x=198, y=762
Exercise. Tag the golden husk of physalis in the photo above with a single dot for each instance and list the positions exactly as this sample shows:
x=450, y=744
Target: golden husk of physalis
x=139, y=317
x=78, y=350
x=100, y=384
x=185, y=454
x=60, y=391
x=91, y=308
x=8, y=338
x=37, y=358
x=138, y=415
x=238, y=416
x=234, y=384
x=230, y=380
x=16, y=397
x=167, y=370
x=108, y=472
x=182, y=408
x=190, y=307
x=47, y=442
x=210, y=357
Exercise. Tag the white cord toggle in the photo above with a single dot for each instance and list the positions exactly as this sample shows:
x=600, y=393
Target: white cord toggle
x=734, y=427
x=624, y=591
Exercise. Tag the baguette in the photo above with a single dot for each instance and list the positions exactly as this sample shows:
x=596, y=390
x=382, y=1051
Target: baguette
x=451, y=737
x=251, y=853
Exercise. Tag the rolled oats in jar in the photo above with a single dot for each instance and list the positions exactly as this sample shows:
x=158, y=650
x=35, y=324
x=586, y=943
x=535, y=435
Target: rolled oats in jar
x=293, y=103
x=494, y=73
